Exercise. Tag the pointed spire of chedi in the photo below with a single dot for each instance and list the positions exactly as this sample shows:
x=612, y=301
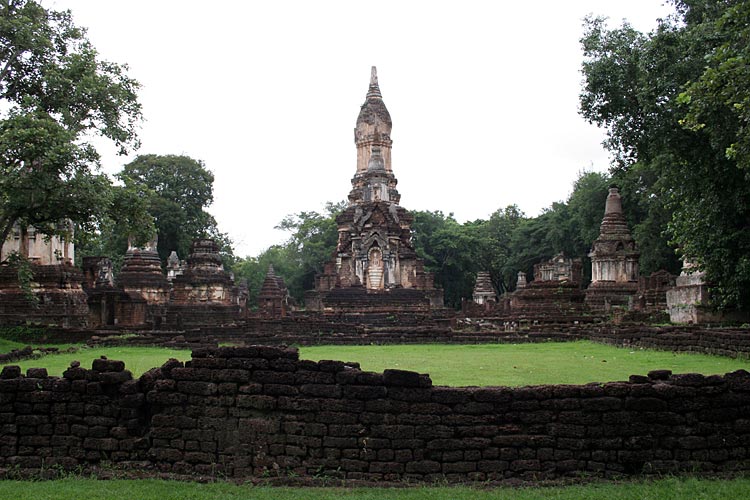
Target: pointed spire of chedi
x=270, y=287
x=614, y=225
x=272, y=294
x=373, y=128
x=374, y=90
x=375, y=266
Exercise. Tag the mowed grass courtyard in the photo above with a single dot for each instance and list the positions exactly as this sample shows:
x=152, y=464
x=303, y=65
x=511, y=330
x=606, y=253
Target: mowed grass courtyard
x=453, y=365
x=579, y=362
x=524, y=364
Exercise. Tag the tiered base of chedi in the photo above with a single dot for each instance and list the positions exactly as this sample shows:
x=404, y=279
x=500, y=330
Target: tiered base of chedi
x=374, y=269
x=48, y=290
x=204, y=294
x=273, y=298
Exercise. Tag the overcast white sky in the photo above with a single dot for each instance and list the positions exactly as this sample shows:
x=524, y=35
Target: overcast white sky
x=483, y=97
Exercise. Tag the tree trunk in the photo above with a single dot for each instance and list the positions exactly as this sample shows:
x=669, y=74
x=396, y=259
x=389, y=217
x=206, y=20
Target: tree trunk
x=6, y=225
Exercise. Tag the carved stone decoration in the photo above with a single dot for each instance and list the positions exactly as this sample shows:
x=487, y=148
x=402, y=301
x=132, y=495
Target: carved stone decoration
x=559, y=268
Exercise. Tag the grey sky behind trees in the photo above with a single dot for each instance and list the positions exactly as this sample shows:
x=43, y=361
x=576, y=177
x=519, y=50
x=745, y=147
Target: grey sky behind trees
x=483, y=96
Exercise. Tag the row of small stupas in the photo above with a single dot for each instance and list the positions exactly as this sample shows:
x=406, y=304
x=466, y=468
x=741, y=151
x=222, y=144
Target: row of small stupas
x=193, y=293
x=373, y=271
x=556, y=293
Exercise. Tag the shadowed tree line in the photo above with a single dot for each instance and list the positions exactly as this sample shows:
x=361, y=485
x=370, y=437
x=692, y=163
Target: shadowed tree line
x=503, y=244
x=676, y=106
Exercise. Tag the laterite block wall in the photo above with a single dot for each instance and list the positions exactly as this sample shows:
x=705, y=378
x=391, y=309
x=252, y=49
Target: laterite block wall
x=260, y=411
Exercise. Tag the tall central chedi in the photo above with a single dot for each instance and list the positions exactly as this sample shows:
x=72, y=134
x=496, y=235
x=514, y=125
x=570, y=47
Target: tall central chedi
x=374, y=266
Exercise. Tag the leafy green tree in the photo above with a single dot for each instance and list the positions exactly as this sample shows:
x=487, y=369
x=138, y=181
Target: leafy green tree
x=180, y=188
x=674, y=103
x=313, y=239
x=493, y=247
x=127, y=217
x=254, y=270
x=449, y=250
x=55, y=93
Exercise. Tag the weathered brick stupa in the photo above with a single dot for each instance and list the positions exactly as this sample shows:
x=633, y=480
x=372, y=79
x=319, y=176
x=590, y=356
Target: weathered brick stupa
x=484, y=290
x=555, y=295
x=374, y=267
x=204, y=294
x=272, y=298
x=614, y=260
x=141, y=276
x=52, y=292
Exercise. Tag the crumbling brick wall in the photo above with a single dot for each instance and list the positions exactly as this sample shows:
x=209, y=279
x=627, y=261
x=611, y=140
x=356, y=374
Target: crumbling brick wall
x=260, y=411
x=84, y=418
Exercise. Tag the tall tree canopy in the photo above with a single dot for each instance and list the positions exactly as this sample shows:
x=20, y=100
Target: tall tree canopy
x=179, y=189
x=311, y=243
x=55, y=92
x=675, y=105
x=502, y=244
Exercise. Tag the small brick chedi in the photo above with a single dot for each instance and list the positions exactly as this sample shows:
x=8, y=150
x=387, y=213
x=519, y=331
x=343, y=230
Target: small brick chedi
x=272, y=299
x=204, y=294
x=614, y=260
x=374, y=265
x=141, y=276
x=484, y=290
x=555, y=295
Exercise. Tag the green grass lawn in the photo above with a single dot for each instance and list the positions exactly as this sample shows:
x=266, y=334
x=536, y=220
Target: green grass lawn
x=137, y=359
x=523, y=364
x=9, y=345
x=454, y=365
x=665, y=489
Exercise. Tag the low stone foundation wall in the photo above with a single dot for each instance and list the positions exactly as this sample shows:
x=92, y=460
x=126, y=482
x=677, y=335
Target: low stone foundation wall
x=732, y=342
x=260, y=411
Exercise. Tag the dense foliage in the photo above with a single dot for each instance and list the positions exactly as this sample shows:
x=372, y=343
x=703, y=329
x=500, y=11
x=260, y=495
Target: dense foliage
x=159, y=195
x=312, y=241
x=675, y=103
x=503, y=244
x=179, y=191
x=55, y=93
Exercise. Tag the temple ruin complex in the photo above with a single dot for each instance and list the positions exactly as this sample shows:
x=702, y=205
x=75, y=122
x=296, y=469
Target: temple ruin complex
x=374, y=276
